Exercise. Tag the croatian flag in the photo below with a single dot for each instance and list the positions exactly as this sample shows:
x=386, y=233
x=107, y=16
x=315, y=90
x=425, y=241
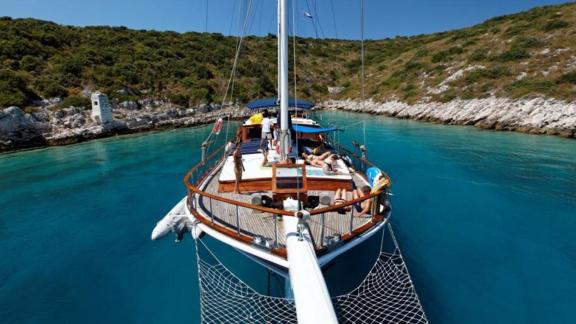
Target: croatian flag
x=307, y=14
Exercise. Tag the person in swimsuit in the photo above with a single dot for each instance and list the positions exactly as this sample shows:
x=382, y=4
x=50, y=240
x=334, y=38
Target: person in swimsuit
x=268, y=164
x=339, y=199
x=316, y=160
x=362, y=207
x=238, y=168
x=330, y=165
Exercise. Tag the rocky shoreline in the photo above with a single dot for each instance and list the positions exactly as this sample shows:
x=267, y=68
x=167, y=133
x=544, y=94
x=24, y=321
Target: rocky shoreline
x=532, y=116
x=46, y=127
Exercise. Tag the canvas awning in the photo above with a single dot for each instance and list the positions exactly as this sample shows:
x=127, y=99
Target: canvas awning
x=273, y=103
x=313, y=130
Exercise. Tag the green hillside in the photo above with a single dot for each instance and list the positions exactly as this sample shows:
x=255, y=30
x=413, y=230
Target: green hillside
x=521, y=55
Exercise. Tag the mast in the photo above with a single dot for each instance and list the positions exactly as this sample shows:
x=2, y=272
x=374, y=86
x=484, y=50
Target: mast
x=284, y=132
x=313, y=303
x=278, y=50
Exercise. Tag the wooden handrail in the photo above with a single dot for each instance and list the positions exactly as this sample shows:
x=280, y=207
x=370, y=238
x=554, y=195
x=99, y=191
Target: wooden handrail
x=195, y=189
x=347, y=203
x=239, y=203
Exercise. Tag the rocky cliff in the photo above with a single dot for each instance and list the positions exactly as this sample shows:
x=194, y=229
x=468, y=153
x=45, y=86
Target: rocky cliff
x=72, y=125
x=535, y=116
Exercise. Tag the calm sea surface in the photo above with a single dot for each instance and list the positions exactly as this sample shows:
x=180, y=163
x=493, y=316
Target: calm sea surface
x=485, y=220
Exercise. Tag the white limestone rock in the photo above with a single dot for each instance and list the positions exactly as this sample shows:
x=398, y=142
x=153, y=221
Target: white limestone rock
x=539, y=115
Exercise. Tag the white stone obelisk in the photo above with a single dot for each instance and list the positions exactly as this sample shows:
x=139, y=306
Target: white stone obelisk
x=101, y=110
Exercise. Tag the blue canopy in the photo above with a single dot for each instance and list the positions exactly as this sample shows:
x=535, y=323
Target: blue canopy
x=273, y=103
x=313, y=130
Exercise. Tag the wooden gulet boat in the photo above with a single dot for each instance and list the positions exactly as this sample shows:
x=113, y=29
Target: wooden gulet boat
x=292, y=215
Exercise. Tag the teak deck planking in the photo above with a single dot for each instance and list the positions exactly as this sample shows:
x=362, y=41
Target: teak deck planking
x=260, y=223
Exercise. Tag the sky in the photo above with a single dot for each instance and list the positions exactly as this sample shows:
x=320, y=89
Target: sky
x=331, y=18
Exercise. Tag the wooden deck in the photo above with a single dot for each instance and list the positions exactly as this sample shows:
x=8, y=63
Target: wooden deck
x=254, y=223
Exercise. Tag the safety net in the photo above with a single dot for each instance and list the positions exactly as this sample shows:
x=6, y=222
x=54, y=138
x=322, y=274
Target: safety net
x=386, y=295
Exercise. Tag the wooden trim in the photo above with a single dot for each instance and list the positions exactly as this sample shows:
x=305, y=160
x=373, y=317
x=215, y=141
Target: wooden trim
x=313, y=184
x=342, y=205
x=256, y=185
x=245, y=129
x=195, y=189
x=246, y=186
x=281, y=251
x=241, y=203
x=304, y=188
x=329, y=184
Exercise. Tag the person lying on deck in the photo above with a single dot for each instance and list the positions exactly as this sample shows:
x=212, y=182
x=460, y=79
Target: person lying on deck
x=269, y=164
x=330, y=165
x=316, y=160
x=340, y=198
x=320, y=149
x=362, y=207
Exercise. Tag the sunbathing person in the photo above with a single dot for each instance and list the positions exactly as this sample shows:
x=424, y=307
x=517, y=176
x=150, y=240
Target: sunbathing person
x=362, y=207
x=340, y=198
x=330, y=165
x=316, y=160
x=268, y=164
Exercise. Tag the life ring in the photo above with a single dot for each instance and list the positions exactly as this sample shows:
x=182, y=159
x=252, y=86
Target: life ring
x=217, y=126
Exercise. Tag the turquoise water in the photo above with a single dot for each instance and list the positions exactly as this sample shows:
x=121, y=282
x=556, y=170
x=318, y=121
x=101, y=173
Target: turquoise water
x=486, y=221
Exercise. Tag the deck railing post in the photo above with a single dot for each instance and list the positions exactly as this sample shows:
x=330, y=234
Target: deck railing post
x=275, y=230
x=211, y=213
x=322, y=230
x=237, y=221
x=351, y=219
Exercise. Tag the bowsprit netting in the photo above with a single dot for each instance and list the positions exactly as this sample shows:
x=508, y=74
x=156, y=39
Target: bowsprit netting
x=386, y=295
x=224, y=298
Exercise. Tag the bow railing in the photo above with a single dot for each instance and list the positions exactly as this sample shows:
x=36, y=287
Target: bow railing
x=195, y=181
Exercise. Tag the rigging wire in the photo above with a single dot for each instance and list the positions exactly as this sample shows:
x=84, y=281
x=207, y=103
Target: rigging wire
x=294, y=13
x=313, y=19
x=362, y=59
x=206, y=18
x=247, y=18
x=362, y=46
x=334, y=18
x=260, y=9
x=232, y=20
x=317, y=16
x=251, y=23
x=240, y=8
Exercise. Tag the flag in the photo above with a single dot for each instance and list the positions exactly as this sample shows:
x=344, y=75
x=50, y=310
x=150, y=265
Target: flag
x=307, y=14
